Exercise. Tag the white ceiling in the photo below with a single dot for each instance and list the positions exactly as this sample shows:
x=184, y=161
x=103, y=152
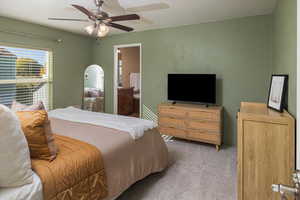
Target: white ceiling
x=169, y=14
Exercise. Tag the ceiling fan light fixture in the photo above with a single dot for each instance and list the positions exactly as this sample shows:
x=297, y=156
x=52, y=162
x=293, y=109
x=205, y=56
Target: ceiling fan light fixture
x=90, y=29
x=101, y=20
x=103, y=30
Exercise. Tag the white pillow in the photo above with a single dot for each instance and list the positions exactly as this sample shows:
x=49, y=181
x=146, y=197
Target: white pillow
x=15, y=163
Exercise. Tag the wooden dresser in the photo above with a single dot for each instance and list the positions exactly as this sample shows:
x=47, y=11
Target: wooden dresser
x=192, y=122
x=266, y=151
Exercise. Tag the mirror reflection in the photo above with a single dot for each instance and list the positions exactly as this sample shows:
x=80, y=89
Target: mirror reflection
x=93, y=99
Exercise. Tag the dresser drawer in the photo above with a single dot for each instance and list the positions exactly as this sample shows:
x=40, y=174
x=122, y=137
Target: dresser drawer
x=173, y=132
x=172, y=111
x=172, y=122
x=214, y=138
x=213, y=116
x=204, y=125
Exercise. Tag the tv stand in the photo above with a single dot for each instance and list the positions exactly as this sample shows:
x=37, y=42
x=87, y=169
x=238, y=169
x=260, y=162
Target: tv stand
x=201, y=123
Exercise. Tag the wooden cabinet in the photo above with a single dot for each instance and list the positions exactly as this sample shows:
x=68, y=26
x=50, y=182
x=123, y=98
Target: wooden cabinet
x=192, y=122
x=266, y=151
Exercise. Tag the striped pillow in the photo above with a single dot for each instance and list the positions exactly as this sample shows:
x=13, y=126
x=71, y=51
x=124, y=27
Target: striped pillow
x=16, y=106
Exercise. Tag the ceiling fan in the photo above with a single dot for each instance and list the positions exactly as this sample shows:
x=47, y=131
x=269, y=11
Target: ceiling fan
x=101, y=20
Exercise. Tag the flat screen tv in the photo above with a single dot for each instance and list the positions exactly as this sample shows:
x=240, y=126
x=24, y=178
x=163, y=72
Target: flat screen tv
x=198, y=88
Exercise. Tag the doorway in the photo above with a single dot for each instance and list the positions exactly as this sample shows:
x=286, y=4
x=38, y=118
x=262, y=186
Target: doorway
x=127, y=80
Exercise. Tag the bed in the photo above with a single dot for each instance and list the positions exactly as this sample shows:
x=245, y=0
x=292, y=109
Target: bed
x=126, y=159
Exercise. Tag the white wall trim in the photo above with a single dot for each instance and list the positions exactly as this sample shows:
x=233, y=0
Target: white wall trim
x=298, y=88
x=116, y=47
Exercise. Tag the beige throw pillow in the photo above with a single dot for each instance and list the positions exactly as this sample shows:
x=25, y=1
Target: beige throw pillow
x=15, y=163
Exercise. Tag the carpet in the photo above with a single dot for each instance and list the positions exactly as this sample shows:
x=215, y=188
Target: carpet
x=196, y=172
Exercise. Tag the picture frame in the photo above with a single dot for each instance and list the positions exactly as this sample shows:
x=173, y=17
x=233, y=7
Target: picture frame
x=277, y=92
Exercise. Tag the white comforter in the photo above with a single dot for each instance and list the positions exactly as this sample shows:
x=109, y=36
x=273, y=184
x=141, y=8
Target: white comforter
x=134, y=126
x=33, y=191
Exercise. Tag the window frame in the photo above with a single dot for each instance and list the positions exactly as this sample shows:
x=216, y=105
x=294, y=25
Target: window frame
x=48, y=80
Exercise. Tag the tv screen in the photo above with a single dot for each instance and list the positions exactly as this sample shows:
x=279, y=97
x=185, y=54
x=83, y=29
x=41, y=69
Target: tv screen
x=199, y=88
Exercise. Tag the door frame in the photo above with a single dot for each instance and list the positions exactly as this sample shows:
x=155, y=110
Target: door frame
x=298, y=90
x=116, y=47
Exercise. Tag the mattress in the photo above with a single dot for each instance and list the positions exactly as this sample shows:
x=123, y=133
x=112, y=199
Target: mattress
x=126, y=160
x=31, y=191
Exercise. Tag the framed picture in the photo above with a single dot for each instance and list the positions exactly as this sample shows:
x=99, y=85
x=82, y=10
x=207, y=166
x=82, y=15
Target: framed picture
x=277, y=92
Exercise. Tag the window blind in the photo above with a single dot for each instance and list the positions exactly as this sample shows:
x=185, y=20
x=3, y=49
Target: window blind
x=25, y=76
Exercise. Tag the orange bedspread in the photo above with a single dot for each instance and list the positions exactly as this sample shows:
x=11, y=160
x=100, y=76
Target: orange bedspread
x=76, y=174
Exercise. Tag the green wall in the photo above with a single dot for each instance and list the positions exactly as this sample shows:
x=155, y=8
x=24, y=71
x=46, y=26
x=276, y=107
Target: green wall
x=239, y=51
x=285, y=46
x=242, y=52
x=70, y=57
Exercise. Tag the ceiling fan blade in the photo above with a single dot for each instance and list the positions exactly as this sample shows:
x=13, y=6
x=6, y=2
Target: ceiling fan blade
x=143, y=20
x=118, y=26
x=85, y=11
x=124, y=17
x=66, y=19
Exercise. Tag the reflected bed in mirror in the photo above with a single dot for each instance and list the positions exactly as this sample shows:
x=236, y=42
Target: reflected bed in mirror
x=93, y=97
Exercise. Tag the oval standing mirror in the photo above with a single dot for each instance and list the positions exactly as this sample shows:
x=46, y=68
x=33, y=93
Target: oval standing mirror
x=93, y=98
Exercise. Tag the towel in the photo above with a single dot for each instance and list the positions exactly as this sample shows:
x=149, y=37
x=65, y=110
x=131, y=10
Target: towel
x=135, y=81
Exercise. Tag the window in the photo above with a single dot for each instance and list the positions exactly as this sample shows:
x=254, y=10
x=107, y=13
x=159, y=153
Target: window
x=25, y=76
